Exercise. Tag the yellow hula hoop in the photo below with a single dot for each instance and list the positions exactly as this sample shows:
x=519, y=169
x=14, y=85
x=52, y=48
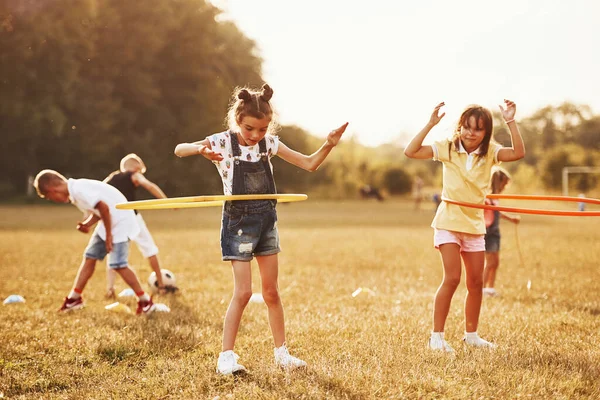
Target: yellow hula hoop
x=205, y=201
x=532, y=210
x=166, y=206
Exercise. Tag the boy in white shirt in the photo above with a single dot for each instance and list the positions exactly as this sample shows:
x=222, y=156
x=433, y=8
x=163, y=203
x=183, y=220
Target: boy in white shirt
x=111, y=236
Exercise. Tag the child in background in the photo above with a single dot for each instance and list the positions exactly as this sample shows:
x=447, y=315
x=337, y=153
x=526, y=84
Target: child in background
x=127, y=180
x=249, y=228
x=581, y=204
x=417, y=191
x=111, y=235
x=459, y=231
x=437, y=199
x=500, y=178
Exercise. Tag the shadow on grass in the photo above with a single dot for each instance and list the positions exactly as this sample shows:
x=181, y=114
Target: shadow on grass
x=115, y=353
x=140, y=336
x=38, y=387
x=585, y=368
x=593, y=311
x=281, y=384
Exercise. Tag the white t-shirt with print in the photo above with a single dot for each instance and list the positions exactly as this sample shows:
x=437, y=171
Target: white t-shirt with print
x=221, y=143
x=86, y=193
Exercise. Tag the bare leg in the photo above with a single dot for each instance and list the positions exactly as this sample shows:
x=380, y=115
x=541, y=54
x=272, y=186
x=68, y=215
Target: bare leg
x=450, y=253
x=111, y=276
x=269, y=270
x=474, y=263
x=242, y=291
x=155, y=265
x=86, y=270
x=131, y=279
x=492, y=260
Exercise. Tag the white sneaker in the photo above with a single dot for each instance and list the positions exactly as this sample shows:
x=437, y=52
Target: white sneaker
x=437, y=342
x=473, y=339
x=227, y=363
x=491, y=292
x=283, y=358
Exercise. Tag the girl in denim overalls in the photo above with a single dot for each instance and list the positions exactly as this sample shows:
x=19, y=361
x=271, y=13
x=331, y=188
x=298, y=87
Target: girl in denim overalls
x=249, y=228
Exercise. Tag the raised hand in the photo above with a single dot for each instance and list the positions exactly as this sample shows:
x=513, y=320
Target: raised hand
x=210, y=154
x=436, y=117
x=335, y=135
x=508, y=113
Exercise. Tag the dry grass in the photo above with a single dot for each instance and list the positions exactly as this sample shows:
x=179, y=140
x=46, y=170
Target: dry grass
x=363, y=347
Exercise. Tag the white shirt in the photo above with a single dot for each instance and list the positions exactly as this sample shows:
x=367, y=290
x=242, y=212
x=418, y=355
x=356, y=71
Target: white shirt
x=85, y=195
x=221, y=143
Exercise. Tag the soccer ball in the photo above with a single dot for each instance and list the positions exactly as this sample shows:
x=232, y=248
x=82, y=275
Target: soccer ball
x=168, y=279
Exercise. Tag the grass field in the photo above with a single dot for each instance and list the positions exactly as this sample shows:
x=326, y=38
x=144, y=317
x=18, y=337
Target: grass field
x=368, y=346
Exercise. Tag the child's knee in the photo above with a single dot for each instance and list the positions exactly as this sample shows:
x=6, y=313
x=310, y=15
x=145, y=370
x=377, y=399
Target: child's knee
x=242, y=296
x=271, y=295
x=491, y=266
x=475, y=284
x=452, y=281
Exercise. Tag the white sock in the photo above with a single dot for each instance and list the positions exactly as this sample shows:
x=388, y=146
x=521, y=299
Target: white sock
x=74, y=295
x=144, y=297
x=438, y=334
x=471, y=335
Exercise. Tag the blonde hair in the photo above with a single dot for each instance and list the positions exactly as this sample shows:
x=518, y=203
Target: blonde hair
x=128, y=159
x=246, y=102
x=499, y=176
x=45, y=179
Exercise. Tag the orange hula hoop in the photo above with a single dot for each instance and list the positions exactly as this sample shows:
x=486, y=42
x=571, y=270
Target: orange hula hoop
x=561, y=213
x=540, y=197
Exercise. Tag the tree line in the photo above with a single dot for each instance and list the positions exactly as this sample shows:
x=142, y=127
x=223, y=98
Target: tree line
x=85, y=82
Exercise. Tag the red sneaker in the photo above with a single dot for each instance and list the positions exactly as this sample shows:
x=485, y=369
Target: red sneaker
x=145, y=307
x=71, y=304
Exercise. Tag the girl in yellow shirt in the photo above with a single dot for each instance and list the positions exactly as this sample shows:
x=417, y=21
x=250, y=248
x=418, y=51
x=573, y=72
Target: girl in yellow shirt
x=459, y=232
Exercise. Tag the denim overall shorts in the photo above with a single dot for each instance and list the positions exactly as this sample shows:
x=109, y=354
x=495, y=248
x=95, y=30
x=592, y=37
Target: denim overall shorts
x=249, y=227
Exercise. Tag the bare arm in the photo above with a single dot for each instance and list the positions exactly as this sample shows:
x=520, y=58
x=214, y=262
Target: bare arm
x=202, y=148
x=102, y=207
x=88, y=223
x=139, y=179
x=514, y=219
x=312, y=162
x=415, y=148
x=109, y=177
x=517, y=151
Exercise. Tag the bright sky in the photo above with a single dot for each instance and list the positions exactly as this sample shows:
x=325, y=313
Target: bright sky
x=383, y=65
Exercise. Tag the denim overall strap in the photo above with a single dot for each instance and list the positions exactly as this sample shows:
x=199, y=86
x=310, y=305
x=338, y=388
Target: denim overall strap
x=235, y=145
x=251, y=178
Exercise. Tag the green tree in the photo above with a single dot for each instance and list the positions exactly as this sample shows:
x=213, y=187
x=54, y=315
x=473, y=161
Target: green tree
x=85, y=82
x=588, y=133
x=41, y=50
x=556, y=159
x=397, y=181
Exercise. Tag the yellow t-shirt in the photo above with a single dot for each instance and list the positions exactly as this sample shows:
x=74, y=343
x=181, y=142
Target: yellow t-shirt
x=465, y=178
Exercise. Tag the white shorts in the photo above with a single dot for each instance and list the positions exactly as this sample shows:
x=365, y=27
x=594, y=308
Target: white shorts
x=144, y=240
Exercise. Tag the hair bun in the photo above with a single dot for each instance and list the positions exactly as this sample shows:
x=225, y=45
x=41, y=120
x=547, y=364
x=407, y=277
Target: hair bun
x=267, y=93
x=244, y=95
